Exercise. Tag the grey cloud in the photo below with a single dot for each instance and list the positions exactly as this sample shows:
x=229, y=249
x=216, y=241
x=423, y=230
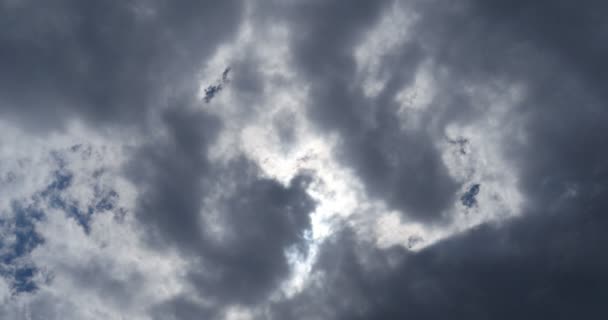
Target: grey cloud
x=490, y=272
x=110, y=62
x=105, y=62
x=401, y=166
x=185, y=198
x=579, y=43
x=564, y=112
x=551, y=261
x=170, y=175
x=182, y=307
x=476, y=43
x=264, y=219
x=553, y=136
x=102, y=278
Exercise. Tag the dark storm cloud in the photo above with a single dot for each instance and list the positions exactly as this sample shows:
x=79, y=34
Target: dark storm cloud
x=170, y=173
x=401, y=166
x=575, y=33
x=263, y=219
x=103, y=61
x=559, y=65
x=550, y=262
x=182, y=307
x=564, y=116
x=232, y=225
x=110, y=61
x=533, y=268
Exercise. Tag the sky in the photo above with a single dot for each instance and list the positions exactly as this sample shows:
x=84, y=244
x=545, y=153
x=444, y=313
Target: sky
x=303, y=159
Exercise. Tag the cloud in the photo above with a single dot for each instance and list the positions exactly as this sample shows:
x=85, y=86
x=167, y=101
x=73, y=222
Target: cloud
x=497, y=272
x=547, y=262
x=368, y=160
x=104, y=63
x=400, y=166
x=233, y=225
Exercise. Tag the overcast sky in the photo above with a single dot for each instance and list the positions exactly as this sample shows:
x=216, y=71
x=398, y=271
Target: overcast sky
x=303, y=159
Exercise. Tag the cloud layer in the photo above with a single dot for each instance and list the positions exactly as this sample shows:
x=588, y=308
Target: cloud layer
x=302, y=159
